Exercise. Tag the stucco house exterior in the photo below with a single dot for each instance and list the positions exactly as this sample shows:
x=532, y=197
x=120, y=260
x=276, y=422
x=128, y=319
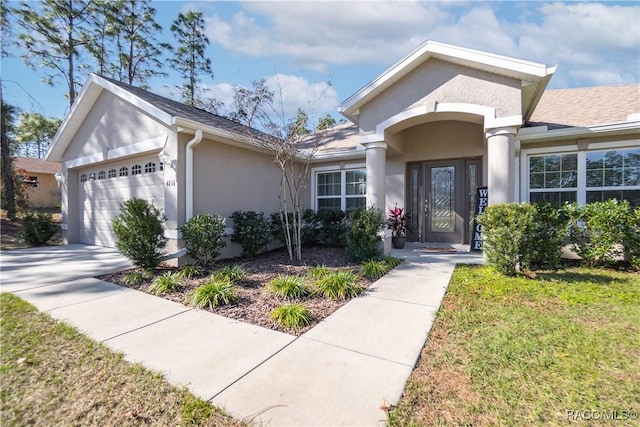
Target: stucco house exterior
x=424, y=135
x=38, y=179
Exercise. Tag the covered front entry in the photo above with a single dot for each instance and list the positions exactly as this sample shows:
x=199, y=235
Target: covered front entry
x=441, y=197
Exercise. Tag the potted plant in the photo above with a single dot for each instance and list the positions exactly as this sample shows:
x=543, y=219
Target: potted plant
x=397, y=223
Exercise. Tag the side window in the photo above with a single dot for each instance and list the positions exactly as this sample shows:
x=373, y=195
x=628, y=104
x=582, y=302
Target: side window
x=92, y=176
x=83, y=177
x=136, y=170
x=124, y=171
x=102, y=175
x=150, y=167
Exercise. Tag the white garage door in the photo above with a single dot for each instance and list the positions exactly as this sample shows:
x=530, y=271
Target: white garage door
x=103, y=189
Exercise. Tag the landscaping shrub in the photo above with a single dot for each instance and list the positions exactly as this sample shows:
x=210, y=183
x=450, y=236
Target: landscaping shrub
x=339, y=284
x=189, y=271
x=203, y=239
x=234, y=273
x=168, y=282
x=310, y=228
x=289, y=287
x=136, y=277
x=601, y=232
x=333, y=228
x=632, y=240
x=318, y=272
x=362, y=237
x=276, y=227
x=508, y=231
x=139, y=233
x=37, y=229
x=216, y=292
x=392, y=261
x=375, y=268
x=548, y=234
x=252, y=231
x=294, y=316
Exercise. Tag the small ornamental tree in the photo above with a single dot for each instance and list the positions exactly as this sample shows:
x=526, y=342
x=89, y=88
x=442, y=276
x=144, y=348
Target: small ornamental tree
x=139, y=231
x=202, y=235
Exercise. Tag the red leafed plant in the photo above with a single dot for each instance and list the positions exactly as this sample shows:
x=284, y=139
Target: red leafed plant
x=397, y=221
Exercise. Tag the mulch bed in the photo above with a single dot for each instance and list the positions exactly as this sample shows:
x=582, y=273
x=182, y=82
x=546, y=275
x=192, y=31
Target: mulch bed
x=255, y=302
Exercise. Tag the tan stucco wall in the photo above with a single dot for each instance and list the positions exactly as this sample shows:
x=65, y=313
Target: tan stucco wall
x=442, y=82
x=47, y=195
x=112, y=123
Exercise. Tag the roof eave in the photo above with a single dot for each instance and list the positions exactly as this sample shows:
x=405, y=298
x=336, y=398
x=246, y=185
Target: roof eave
x=542, y=133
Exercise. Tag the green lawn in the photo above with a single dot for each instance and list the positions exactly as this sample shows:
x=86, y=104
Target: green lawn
x=53, y=375
x=519, y=351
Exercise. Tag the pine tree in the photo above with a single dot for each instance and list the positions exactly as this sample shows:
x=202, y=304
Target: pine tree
x=35, y=133
x=190, y=60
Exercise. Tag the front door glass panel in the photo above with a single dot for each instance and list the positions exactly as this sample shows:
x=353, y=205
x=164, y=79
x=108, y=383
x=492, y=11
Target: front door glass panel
x=443, y=209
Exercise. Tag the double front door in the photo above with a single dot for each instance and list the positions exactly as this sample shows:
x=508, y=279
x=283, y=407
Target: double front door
x=441, y=200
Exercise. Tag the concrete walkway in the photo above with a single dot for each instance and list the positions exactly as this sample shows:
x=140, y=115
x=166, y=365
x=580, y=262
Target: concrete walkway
x=341, y=372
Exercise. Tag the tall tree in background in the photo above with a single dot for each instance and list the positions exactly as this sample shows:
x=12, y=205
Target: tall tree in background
x=34, y=133
x=124, y=41
x=53, y=37
x=7, y=117
x=5, y=29
x=190, y=60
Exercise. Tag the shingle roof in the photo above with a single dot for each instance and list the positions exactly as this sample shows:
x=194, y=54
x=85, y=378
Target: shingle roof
x=36, y=165
x=588, y=106
x=179, y=109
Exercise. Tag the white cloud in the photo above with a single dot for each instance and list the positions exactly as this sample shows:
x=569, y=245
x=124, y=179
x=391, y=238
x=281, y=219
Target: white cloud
x=589, y=41
x=293, y=92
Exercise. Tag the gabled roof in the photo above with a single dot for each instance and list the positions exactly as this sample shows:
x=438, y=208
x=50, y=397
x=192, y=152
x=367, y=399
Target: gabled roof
x=165, y=110
x=588, y=106
x=534, y=76
x=36, y=165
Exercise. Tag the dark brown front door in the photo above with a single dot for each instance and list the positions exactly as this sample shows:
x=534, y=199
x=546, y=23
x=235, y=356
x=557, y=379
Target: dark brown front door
x=441, y=199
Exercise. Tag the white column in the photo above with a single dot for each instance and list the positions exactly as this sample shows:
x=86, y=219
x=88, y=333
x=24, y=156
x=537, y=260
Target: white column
x=376, y=153
x=501, y=164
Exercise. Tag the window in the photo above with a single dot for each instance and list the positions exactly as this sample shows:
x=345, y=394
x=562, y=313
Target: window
x=102, y=175
x=113, y=173
x=28, y=181
x=92, y=176
x=83, y=177
x=585, y=177
x=136, y=170
x=553, y=178
x=613, y=175
x=341, y=190
x=161, y=167
x=150, y=167
x=124, y=171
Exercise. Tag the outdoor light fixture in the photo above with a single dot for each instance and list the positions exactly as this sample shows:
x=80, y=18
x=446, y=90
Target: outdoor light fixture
x=59, y=177
x=164, y=157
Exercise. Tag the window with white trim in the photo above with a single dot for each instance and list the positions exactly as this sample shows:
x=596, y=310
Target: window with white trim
x=587, y=176
x=124, y=171
x=102, y=175
x=113, y=173
x=136, y=170
x=341, y=190
x=150, y=167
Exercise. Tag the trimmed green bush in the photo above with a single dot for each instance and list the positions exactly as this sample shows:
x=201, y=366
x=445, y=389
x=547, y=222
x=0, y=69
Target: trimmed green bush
x=252, y=231
x=549, y=232
x=333, y=228
x=203, y=239
x=375, y=268
x=37, y=229
x=508, y=232
x=293, y=316
x=234, y=273
x=339, y=285
x=168, y=282
x=139, y=233
x=214, y=293
x=310, y=228
x=602, y=232
x=363, y=238
x=289, y=287
x=136, y=277
x=632, y=240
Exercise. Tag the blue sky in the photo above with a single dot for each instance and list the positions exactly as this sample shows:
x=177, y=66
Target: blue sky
x=299, y=46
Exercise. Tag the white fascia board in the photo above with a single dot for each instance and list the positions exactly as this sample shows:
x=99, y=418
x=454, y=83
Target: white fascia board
x=526, y=70
x=343, y=155
x=541, y=133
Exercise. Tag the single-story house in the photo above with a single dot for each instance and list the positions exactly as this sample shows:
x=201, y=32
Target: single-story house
x=39, y=182
x=424, y=135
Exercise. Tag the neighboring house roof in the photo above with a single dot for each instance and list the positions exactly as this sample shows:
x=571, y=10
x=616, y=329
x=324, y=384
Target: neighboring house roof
x=589, y=106
x=171, y=113
x=534, y=76
x=339, y=138
x=36, y=165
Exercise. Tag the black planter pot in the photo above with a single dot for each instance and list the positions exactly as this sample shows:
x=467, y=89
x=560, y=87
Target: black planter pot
x=398, y=241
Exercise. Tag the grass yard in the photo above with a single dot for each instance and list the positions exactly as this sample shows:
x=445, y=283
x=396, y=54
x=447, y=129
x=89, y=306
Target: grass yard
x=53, y=375
x=561, y=348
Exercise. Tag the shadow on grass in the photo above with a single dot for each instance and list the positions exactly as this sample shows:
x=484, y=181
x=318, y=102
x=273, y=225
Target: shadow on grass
x=575, y=276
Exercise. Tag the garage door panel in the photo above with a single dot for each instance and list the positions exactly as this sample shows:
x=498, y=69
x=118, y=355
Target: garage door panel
x=99, y=201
